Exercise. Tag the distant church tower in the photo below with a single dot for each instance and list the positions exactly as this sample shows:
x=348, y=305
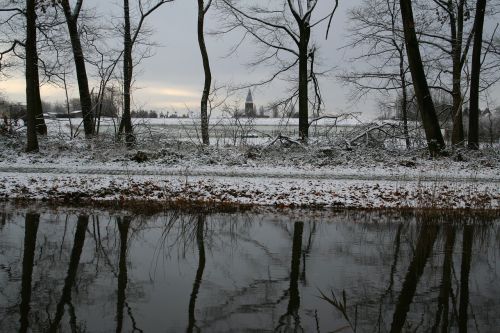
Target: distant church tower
x=249, y=106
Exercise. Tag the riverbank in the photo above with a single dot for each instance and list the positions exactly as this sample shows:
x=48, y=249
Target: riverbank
x=275, y=175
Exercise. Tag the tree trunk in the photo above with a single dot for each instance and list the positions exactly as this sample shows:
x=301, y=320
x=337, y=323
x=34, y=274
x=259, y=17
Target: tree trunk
x=127, y=76
x=457, y=30
x=475, y=75
x=208, y=74
x=41, y=127
x=32, y=87
x=430, y=120
x=81, y=72
x=404, y=98
x=305, y=34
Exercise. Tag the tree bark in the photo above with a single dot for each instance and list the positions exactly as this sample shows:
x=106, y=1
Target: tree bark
x=127, y=76
x=475, y=76
x=41, y=127
x=430, y=120
x=208, y=74
x=81, y=72
x=33, y=107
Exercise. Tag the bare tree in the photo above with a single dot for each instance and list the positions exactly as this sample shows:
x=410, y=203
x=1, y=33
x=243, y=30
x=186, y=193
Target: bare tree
x=430, y=120
x=130, y=36
x=475, y=75
x=447, y=36
x=376, y=27
x=447, y=39
x=43, y=22
x=284, y=32
x=456, y=12
x=202, y=10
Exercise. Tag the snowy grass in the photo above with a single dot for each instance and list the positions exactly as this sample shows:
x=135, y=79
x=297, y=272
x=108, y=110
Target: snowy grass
x=282, y=174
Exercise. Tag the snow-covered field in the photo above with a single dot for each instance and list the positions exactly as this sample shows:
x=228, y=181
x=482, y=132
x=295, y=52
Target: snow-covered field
x=160, y=169
x=227, y=130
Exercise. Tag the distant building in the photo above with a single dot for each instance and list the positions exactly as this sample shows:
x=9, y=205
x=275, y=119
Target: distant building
x=250, y=106
x=275, y=111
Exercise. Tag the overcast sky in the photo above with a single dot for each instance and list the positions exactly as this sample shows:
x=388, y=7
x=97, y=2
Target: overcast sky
x=173, y=77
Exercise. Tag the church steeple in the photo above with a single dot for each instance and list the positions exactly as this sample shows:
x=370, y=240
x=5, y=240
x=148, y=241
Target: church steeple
x=249, y=97
x=249, y=106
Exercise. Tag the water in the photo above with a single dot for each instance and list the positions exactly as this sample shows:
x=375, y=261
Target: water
x=68, y=270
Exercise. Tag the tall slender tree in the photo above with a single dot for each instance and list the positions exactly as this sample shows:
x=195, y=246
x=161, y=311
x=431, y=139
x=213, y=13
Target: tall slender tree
x=475, y=75
x=146, y=8
x=32, y=82
x=79, y=59
x=202, y=10
x=127, y=75
x=430, y=120
x=459, y=51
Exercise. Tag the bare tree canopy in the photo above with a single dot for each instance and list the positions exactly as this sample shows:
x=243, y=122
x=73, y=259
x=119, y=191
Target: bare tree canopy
x=283, y=33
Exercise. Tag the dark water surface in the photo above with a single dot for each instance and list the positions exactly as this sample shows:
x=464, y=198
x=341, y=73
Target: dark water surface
x=69, y=271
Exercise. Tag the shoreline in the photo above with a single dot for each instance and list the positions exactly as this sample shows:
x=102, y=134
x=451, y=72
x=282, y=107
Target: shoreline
x=250, y=192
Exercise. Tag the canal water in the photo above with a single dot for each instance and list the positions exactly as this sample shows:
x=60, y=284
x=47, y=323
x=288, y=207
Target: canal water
x=71, y=270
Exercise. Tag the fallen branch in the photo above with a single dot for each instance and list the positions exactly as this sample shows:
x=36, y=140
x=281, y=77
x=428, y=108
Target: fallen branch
x=371, y=129
x=336, y=117
x=282, y=138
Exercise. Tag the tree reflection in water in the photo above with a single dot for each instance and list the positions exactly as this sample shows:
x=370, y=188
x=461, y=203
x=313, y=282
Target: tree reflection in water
x=443, y=308
x=425, y=243
x=30, y=231
x=76, y=252
x=244, y=272
x=464, y=277
x=200, y=224
x=291, y=319
x=123, y=228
